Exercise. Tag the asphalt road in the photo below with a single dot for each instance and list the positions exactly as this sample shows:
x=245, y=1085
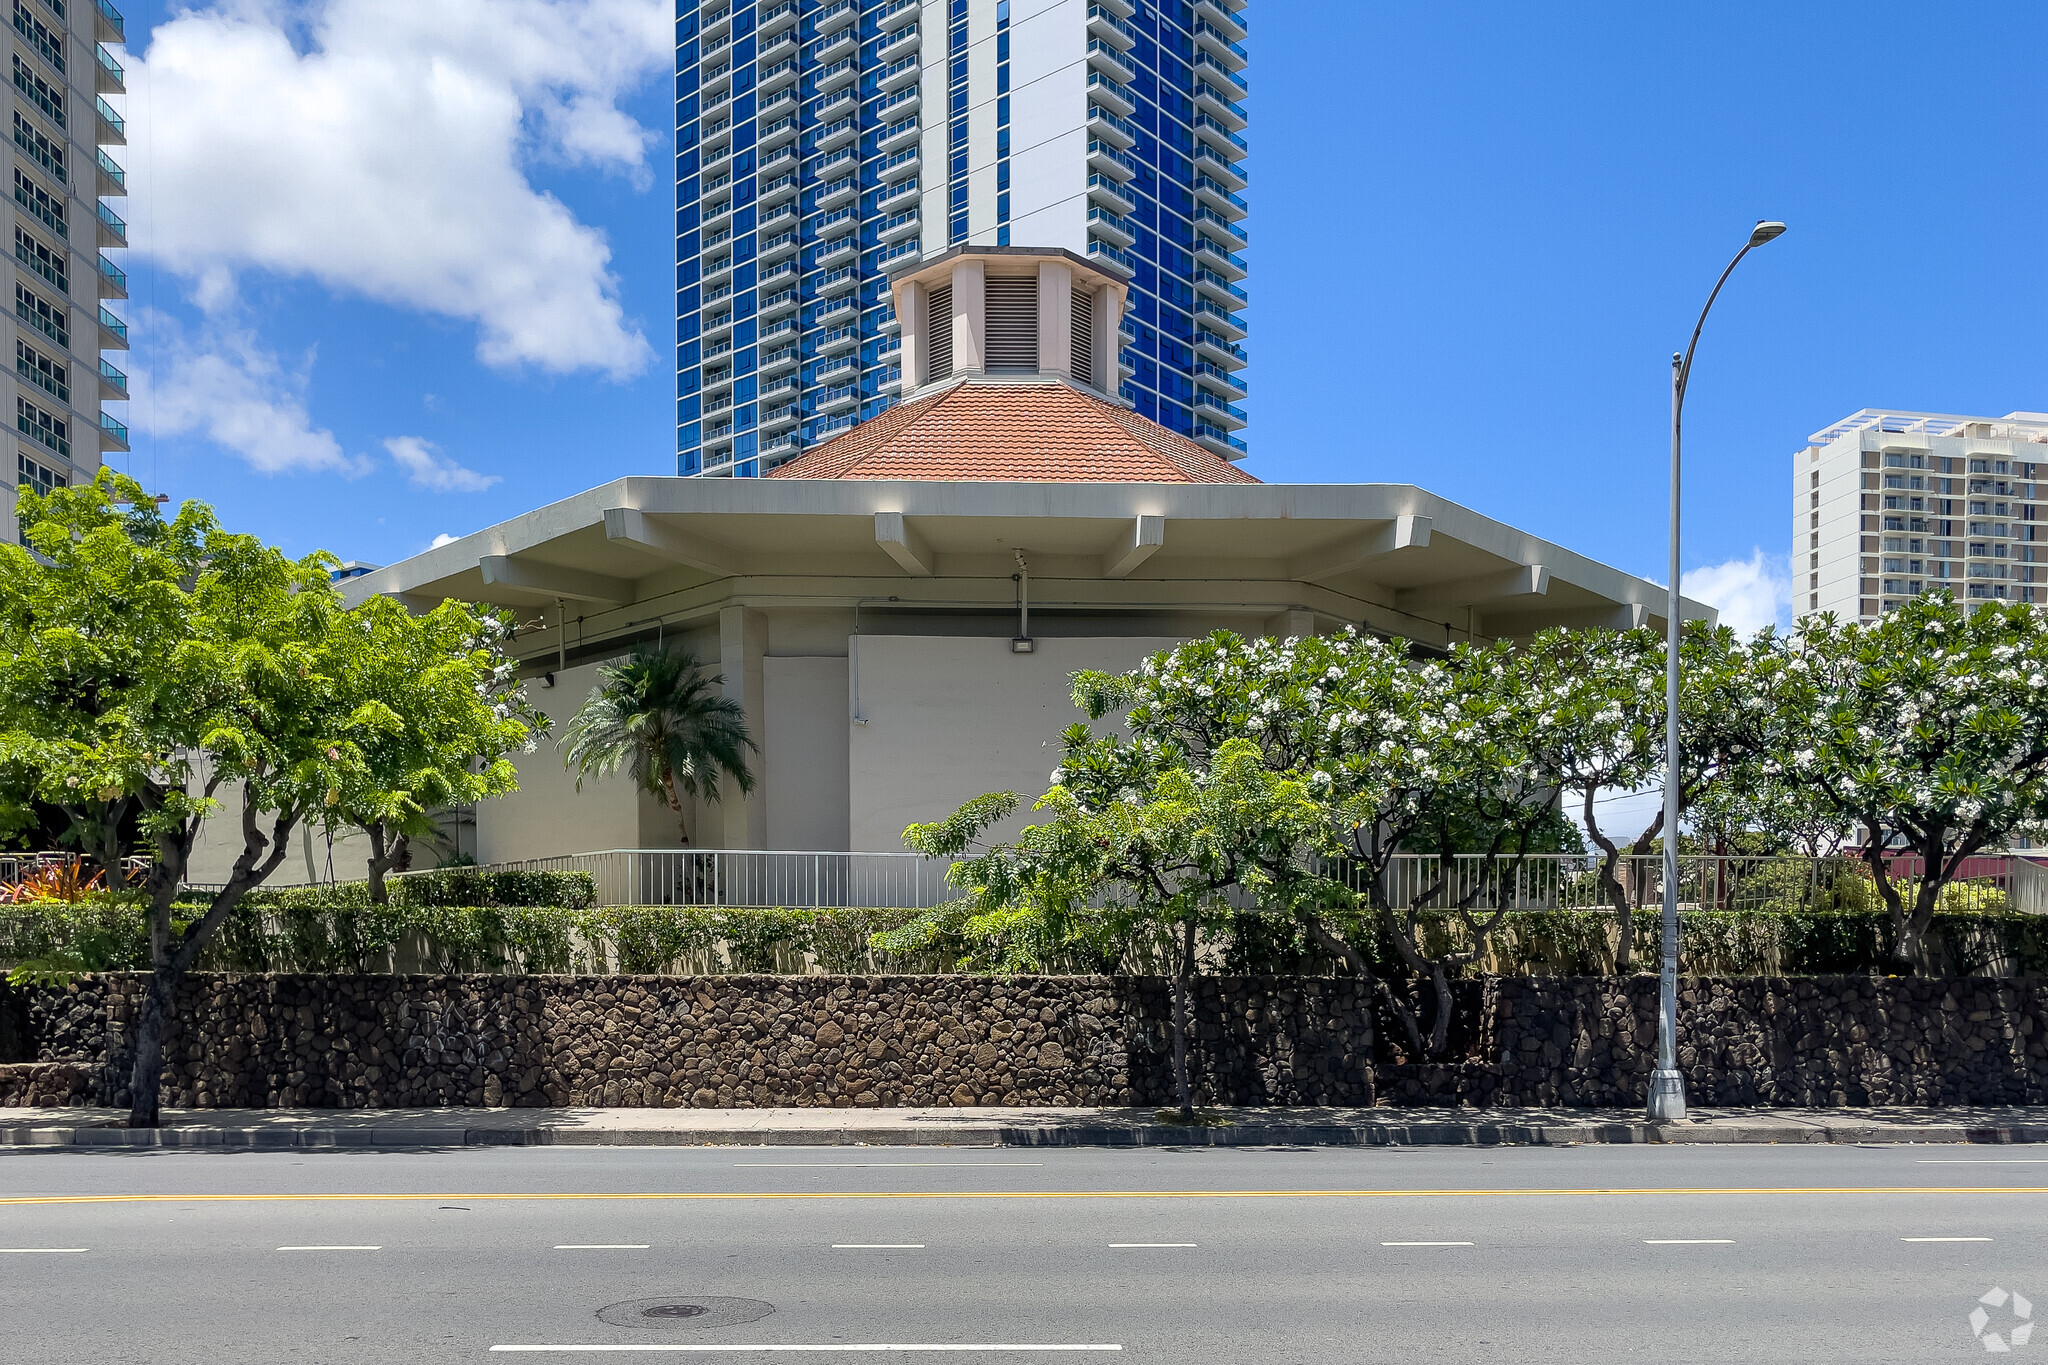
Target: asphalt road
x=1586, y=1254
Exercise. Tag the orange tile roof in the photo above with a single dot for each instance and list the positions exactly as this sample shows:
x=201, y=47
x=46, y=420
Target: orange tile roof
x=1044, y=433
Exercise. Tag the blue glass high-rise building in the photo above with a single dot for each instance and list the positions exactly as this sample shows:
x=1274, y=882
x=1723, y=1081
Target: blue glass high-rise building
x=822, y=143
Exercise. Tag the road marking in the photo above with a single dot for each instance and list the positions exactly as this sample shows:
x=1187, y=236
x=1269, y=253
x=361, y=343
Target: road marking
x=770, y=1195
x=1688, y=1241
x=885, y=1165
x=330, y=1248
x=878, y=1246
x=42, y=1251
x=1114, y=1246
x=602, y=1246
x=1944, y=1239
x=1425, y=1244
x=852, y=1346
x=1981, y=1161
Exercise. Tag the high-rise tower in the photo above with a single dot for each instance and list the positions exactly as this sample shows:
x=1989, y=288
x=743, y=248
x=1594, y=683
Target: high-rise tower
x=59, y=271
x=821, y=143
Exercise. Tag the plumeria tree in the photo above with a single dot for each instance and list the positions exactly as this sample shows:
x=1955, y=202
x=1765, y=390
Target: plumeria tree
x=1928, y=730
x=203, y=675
x=1138, y=836
x=1600, y=731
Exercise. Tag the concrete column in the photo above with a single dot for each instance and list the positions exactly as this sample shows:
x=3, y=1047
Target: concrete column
x=970, y=318
x=1108, y=318
x=1286, y=624
x=742, y=645
x=911, y=302
x=1056, y=320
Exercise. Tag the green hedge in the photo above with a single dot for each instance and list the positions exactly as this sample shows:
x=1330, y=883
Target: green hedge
x=325, y=930
x=448, y=886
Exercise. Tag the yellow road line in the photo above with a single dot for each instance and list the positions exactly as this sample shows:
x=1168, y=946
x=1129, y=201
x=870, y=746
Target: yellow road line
x=1030, y=1194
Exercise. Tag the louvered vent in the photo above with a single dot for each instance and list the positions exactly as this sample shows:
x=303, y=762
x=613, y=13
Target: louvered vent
x=939, y=331
x=1013, y=322
x=1084, y=336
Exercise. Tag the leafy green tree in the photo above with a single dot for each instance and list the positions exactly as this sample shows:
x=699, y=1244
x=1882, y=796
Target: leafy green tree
x=1928, y=730
x=1600, y=730
x=1137, y=836
x=190, y=670
x=661, y=718
x=435, y=705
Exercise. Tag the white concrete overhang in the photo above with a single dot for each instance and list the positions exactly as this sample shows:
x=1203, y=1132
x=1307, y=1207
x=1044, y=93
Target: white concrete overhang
x=1374, y=553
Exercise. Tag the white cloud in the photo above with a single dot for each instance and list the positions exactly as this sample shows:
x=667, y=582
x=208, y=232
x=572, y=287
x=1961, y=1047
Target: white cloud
x=227, y=387
x=443, y=539
x=430, y=470
x=1751, y=593
x=387, y=157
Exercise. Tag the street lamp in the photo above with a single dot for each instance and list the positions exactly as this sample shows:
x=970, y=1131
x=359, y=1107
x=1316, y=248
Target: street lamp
x=1667, y=1084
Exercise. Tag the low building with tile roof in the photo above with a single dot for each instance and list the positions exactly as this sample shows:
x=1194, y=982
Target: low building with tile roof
x=899, y=610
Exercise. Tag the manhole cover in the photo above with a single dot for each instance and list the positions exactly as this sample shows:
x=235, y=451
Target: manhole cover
x=684, y=1310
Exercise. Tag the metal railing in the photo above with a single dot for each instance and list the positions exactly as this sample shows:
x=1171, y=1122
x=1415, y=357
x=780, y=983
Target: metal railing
x=727, y=877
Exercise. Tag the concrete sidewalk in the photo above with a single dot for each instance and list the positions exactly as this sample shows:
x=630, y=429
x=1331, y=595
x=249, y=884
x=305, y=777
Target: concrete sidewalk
x=1022, y=1127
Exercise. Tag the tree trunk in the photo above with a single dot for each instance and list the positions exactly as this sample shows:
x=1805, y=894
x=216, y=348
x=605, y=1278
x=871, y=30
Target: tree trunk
x=380, y=862
x=1180, y=1025
x=146, y=1078
x=675, y=803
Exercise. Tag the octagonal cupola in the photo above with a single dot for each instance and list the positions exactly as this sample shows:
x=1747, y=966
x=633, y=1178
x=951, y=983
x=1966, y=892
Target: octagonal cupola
x=1007, y=313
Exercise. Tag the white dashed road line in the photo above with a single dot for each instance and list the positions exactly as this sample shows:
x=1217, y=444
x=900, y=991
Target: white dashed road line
x=1688, y=1241
x=851, y=1346
x=330, y=1248
x=42, y=1251
x=1944, y=1239
x=1132, y=1246
x=878, y=1246
x=882, y=1165
x=1425, y=1244
x=602, y=1246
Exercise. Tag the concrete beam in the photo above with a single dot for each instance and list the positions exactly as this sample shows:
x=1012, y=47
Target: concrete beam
x=1402, y=533
x=1530, y=580
x=1147, y=534
x=631, y=526
x=549, y=580
x=901, y=542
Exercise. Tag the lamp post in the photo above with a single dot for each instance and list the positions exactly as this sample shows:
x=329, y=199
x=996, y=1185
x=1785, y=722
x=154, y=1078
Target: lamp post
x=1667, y=1084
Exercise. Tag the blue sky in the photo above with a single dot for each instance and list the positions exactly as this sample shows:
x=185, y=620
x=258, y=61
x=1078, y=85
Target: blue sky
x=377, y=316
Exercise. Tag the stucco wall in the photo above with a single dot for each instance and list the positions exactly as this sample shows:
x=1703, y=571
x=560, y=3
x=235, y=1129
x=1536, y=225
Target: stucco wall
x=951, y=718
x=804, y=753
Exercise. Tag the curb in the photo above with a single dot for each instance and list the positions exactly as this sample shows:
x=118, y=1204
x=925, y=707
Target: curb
x=1025, y=1136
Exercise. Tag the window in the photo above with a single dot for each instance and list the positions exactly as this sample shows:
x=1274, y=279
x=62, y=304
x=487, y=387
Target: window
x=39, y=149
x=51, y=430
x=40, y=202
x=37, y=475
x=46, y=374
x=46, y=318
x=38, y=91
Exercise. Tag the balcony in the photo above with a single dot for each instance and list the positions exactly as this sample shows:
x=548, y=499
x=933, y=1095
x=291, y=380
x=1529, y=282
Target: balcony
x=1111, y=61
x=1206, y=65
x=777, y=135
x=1102, y=253
x=777, y=19
x=1104, y=125
x=782, y=359
x=831, y=220
x=782, y=244
x=836, y=250
x=1104, y=25
x=774, y=47
x=1215, y=409
x=1215, y=438
x=1111, y=228
x=1204, y=214
x=825, y=165
x=896, y=106
x=894, y=230
x=716, y=270
x=113, y=436
x=835, y=15
x=1110, y=194
x=898, y=135
x=837, y=340
x=1205, y=371
x=109, y=79
x=1212, y=255
x=846, y=305
x=1217, y=44
x=777, y=273
x=891, y=382
x=113, y=332
x=715, y=24
x=1220, y=106
x=1213, y=194
x=775, y=419
x=785, y=444
x=1105, y=91
x=899, y=74
x=896, y=43
x=1214, y=163
x=112, y=131
x=777, y=303
x=828, y=427
x=112, y=231
x=907, y=157
x=780, y=213
x=1225, y=18
x=107, y=27
x=835, y=45
x=835, y=105
x=836, y=193
x=775, y=77
x=780, y=189
x=1219, y=288
x=897, y=15
x=717, y=324
x=895, y=194
x=837, y=76
x=113, y=280
x=1219, y=351
x=1108, y=159
x=835, y=400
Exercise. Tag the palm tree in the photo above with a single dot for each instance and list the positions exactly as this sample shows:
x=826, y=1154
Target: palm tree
x=659, y=717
